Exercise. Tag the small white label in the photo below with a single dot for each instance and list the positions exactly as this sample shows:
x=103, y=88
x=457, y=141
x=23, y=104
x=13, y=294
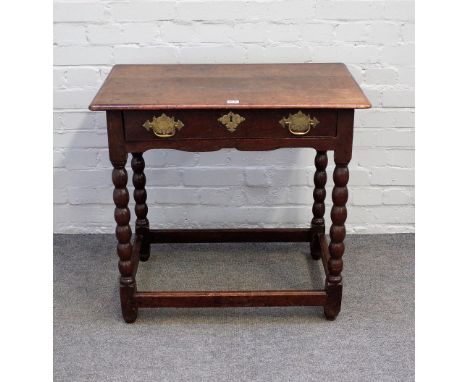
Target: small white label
x=231, y=101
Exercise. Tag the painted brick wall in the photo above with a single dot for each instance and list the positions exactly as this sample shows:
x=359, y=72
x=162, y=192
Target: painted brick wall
x=230, y=188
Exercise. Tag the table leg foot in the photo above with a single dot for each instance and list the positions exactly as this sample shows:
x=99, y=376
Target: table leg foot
x=129, y=308
x=145, y=251
x=333, y=305
x=315, y=249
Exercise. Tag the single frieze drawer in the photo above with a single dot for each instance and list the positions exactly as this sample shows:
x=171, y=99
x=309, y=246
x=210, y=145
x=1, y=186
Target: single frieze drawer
x=227, y=124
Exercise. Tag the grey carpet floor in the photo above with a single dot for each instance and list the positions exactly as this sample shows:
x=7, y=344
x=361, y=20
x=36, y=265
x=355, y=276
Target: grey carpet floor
x=371, y=340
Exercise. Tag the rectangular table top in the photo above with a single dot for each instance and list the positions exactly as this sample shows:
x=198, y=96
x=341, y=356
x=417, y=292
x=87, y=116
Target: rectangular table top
x=233, y=86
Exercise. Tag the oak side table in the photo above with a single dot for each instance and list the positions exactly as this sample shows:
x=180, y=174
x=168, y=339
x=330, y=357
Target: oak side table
x=247, y=107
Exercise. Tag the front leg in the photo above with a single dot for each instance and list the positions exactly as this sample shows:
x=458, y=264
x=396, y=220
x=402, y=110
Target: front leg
x=336, y=247
x=123, y=232
x=141, y=209
x=318, y=209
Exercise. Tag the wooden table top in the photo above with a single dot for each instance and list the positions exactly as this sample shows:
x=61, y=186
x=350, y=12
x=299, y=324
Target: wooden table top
x=233, y=86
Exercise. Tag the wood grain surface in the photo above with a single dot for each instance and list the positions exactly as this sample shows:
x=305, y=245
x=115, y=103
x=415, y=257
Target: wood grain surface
x=271, y=86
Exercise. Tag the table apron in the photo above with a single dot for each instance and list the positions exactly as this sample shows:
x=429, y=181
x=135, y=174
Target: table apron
x=244, y=144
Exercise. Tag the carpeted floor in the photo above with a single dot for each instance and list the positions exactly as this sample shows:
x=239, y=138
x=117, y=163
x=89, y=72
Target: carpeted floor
x=371, y=340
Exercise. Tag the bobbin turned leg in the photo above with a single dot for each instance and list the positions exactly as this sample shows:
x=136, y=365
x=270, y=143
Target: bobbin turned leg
x=318, y=209
x=333, y=284
x=123, y=233
x=141, y=209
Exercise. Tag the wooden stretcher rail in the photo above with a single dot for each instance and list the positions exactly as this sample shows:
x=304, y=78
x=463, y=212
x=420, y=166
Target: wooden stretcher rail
x=198, y=299
x=231, y=235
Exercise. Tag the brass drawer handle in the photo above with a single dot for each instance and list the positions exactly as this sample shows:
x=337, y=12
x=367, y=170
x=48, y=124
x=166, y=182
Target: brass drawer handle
x=231, y=121
x=299, y=123
x=163, y=126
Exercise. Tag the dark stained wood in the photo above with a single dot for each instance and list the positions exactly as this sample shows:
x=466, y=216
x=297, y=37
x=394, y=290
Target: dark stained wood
x=324, y=254
x=343, y=149
x=116, y=138
x=201, y=145
x=218, y=299
x=197, y=94
x=272, y=86
x=337, y=234
x=204, y=124
x=136, y=250
x=141, y=209
x=123, y=231
x=230, y=235
x=318, y=208
x=338, y=214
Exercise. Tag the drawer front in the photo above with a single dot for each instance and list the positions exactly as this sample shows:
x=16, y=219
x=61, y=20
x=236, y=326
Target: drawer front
x=190, y=124
x=228, y=124
x=291, y=123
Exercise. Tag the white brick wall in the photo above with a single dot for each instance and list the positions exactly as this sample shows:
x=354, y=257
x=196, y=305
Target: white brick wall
x=230, y=188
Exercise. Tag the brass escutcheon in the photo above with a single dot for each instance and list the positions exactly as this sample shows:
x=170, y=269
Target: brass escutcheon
x=231, y=121
x=163, y=126
x=299, y=123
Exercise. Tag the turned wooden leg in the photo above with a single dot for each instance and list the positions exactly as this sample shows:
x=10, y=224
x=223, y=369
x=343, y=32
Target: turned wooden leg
x=318, y=209
x=141, y=209
x=123, y=233
x=333, y=284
